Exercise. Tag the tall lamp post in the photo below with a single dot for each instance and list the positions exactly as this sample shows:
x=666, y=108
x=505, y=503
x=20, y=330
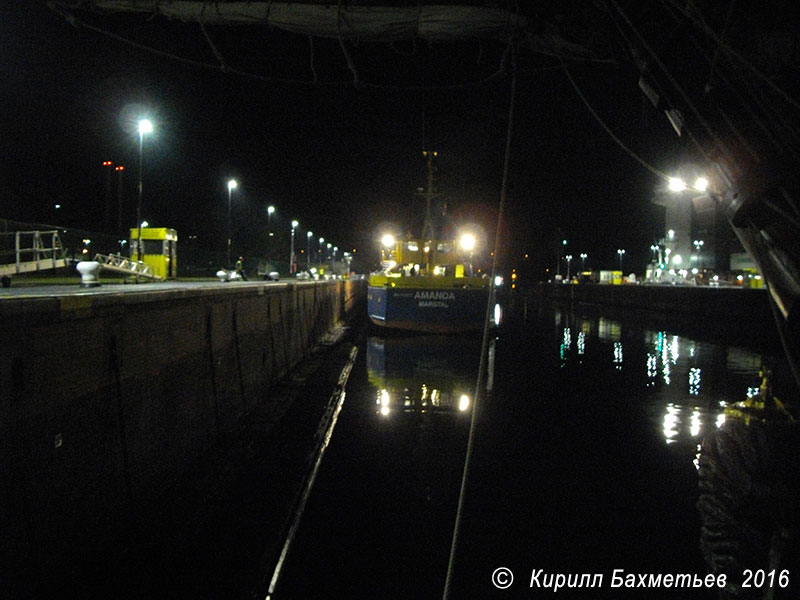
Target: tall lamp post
x=119, y=169
x=309, y=235
x=620, y=251
x=270, y=210
x=569, y=260
x=291, y=249
x=697, y=245
x=583, y=261
x=145, y=126
x=231, y=186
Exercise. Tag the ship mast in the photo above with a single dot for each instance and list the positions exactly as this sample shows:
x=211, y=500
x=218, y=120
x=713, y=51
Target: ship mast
x=428, y=233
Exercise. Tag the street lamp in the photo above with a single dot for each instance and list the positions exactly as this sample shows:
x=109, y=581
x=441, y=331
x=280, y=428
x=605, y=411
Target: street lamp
x=309, y=235
x=291, y=249
x=583, y=260
x=654, y=249
x=697, y=245
x=270, y=210
x=569, y=260
x=145, y=126
x=119, y=169
x=231, y=186
x=620, y=251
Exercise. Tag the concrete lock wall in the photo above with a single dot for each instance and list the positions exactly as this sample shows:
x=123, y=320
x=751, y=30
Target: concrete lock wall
x=107, y=398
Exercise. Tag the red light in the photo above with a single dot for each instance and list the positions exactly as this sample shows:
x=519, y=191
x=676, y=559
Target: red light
x=119, y=168
x=107, y=163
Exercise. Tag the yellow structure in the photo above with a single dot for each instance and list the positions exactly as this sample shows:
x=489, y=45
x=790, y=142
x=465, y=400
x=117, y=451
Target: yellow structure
x=159, y=250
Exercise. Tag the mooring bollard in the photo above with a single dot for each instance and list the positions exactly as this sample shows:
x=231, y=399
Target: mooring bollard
x=89, y=270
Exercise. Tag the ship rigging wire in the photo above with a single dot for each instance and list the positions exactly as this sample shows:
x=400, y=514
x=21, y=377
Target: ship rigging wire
x=482, y=368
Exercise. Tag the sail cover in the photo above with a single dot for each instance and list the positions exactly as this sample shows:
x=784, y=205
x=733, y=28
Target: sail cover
x=384, y=23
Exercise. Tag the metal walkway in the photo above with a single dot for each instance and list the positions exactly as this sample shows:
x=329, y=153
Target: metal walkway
x=31, y=252
x=126, y=266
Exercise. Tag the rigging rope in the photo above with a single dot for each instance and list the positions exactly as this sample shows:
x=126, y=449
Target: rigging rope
x=486, y=333
x=602, y=123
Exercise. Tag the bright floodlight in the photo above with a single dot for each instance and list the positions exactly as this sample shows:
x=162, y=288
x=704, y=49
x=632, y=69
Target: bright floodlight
x=701, y=184
x=232, y=184
x=310, y=234
x=468, y=242
x=270, y=210
x=295, y=224
x=145, y=126
x=676, y=184
x=387, y=240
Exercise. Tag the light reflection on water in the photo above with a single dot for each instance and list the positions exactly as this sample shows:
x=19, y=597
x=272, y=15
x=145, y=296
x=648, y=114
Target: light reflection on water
x=686, y=383
x=423, y=374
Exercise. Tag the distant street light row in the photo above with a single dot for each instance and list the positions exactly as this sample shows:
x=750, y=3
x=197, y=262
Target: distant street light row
x=145, y=126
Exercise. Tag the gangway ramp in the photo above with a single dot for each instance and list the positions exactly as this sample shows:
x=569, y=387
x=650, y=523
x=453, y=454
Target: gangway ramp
x=32, y=251
x=126, y=266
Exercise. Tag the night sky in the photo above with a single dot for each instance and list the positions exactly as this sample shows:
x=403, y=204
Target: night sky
x=344, y=160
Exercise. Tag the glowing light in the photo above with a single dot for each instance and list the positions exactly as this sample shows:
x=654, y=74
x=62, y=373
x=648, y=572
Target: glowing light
x=701, y=184
x=463, y=402
x=232, y=184
x=676, y=184
x=387, y=240
x=676, y=260
x=498, y=314
x=720, y=420
x=145, y=126
x=694, y=425
x=696, y=461
x=467, y=242
x=694, y=381
x=498, y=280
x=670, y=423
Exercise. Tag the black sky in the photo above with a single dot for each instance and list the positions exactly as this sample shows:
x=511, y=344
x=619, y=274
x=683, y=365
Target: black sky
x=343, y=160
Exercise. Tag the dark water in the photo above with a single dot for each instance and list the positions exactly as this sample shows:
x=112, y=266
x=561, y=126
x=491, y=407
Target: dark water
x=584, y=461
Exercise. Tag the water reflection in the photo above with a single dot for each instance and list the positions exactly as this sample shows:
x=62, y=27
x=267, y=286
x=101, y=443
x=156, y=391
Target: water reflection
x=423, y=374
x=688, y=383
x=711, y=404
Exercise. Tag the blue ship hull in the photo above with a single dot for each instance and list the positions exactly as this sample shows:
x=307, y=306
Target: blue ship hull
x=428, y=309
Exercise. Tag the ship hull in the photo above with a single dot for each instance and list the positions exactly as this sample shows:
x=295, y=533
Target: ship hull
x=428, y=309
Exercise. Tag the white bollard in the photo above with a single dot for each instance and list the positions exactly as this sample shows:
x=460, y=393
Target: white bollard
x=89, y=270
